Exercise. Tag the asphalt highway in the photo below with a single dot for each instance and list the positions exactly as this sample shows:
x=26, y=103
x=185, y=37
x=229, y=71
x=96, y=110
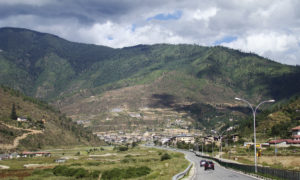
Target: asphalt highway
x=220, y=173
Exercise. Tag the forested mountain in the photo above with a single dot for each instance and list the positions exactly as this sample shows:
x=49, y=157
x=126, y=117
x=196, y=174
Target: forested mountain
x=132, y=87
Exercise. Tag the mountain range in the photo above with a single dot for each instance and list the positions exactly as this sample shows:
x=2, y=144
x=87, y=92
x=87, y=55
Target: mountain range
x=141, y=87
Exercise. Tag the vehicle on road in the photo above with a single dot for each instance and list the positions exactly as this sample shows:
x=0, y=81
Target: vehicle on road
x=209, y=165
x=202, y=163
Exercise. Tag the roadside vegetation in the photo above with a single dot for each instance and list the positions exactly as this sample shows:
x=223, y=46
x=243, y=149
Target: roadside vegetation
x=92, y=162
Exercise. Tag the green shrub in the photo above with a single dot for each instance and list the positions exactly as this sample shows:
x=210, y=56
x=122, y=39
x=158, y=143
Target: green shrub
x=59, y=170
x=95, y=174
x=166, y=156
x=127, y=160
x=131, y=172
x=76, y=164
x=80, y=173
x=93, y=163
x=66, y=171
x=115, y=173
x=123, y=148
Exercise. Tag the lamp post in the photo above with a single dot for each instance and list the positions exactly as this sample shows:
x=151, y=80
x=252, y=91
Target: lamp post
x=254, y=113
x=221, y=137
x=202, y=148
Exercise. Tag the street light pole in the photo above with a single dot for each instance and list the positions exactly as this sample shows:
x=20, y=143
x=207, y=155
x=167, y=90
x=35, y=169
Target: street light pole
x=221, y=137
x=254, y=131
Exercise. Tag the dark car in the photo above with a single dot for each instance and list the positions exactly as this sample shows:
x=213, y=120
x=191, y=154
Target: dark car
x=209, y=165
x=202, y=163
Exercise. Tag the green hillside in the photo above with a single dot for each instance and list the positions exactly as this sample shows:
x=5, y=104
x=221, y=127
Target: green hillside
x=190, y=82
x=46, y=127
x=273, y=122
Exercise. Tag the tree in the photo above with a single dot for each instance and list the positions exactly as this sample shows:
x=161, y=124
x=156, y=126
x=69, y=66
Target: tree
x=134, y=144
x=166, y=156
x=13, y=114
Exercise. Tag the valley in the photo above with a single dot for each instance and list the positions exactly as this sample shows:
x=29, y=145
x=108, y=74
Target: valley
x=56, y=95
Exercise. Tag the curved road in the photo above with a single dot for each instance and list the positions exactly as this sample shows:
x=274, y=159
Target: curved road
x=220, y=173
x=217, y=174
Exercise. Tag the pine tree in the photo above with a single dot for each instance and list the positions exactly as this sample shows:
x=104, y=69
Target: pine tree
x=13, y=114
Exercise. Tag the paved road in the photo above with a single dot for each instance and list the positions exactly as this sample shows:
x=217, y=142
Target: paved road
x=220, y=173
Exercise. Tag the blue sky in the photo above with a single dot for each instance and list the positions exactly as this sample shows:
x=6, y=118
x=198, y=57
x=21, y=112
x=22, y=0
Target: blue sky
x=227, y=39
x=165, y=17
x=270, y=28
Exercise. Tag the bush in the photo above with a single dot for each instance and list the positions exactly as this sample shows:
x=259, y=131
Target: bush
x=59, y=170
x=80, y=173
x=76, y=164
x=95, y=174
x=65, y=171
x=127, y=160
x=166, y=156
x=115, y=173
x=123, y=148
x=131, y=172
x=93, y=163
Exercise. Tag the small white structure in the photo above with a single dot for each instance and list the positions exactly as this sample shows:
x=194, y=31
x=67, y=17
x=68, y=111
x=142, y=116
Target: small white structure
x=22, y=119
x=296, y=133
x=136, y=115
x=116, y=110
x=60, y=160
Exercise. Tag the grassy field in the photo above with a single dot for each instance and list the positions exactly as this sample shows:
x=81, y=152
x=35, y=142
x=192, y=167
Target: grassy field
x=91, y=162
x=286, y=157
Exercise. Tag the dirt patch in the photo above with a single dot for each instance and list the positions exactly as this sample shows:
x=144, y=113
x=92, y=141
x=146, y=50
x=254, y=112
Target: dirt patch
x=104, y=155
x=15, y=173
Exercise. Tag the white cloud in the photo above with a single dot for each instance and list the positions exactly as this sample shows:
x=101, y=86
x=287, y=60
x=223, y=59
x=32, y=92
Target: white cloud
x=269, y=28
x=271, y=44
x=205, y=14
x=115, y=35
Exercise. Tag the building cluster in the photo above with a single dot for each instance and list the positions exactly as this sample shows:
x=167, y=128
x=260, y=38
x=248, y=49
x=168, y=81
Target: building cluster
x=191, y=139
x=294, y=140
x=122, y=137
x=24, y=154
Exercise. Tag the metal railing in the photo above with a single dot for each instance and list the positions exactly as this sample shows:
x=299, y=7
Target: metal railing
x=265, y=171
x=182, y=174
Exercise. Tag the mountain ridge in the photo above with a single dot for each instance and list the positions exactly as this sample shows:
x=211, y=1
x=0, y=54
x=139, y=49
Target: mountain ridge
x=87, y=81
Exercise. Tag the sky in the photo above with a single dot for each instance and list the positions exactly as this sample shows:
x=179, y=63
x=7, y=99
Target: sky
x=270, y=28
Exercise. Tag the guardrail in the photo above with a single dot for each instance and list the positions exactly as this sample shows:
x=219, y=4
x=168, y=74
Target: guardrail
x=266, y=171
x=182, y=174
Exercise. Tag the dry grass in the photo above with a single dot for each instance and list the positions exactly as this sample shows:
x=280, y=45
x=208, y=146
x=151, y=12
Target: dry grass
x=285, y=162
